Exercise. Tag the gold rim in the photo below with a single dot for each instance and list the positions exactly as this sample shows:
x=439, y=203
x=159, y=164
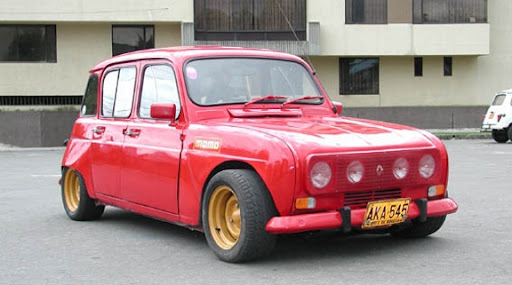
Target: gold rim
x=224, y=217
x=71, y=190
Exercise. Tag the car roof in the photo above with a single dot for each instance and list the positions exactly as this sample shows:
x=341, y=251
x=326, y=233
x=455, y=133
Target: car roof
x=183, y=53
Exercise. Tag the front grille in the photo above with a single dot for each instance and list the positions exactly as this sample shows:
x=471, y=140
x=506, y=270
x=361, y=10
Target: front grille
x=357, y=200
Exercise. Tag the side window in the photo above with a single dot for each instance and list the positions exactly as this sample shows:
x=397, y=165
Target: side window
x=124, y=94
x=118, y=87
x=158, y=86
x=90, y=101
x=109, y=93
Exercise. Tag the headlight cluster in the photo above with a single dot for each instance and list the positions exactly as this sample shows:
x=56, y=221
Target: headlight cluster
x=321, y=172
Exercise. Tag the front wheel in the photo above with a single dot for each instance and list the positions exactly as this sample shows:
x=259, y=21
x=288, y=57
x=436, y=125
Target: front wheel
x=235, y=210
x=500, y=136
x=418, y=229
x=509, y=132
x=77, y=203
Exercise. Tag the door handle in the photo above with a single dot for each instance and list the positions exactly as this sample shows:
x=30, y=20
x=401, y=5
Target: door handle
x=98, y=130
x=131, y=132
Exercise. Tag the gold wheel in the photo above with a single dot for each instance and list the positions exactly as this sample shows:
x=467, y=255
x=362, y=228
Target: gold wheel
x=224, y=217
x=71, y=190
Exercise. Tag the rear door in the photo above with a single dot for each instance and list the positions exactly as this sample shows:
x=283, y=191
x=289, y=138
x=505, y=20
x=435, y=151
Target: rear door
x=152, y=148
x=118, y=88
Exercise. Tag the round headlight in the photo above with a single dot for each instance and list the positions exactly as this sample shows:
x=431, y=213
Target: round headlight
x=355, y=171
x=427, y=166
x=321, y=174
x=400, y=168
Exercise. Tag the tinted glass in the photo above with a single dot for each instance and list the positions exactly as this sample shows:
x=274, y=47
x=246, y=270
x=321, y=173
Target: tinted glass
x=239, y=80
x=450, y=11
x=124, y=94
x=447, y=67
x=366, y=12
x=158, y=86
x=27, y=43
x=132, y=38
x=90, y=102
x=359, y=76
x=499, y=99
x=109, y=93
x=418, y=66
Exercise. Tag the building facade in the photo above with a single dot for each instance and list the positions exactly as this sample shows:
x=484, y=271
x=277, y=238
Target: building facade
x=382, y=59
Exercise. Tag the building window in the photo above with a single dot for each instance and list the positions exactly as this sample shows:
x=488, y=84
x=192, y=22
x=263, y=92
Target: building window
x=366, y=11
x=359, y=76
x=418, y=66
x=449, y=11
x=28, y=43
x=447, y=66
x=132, y=38
x=249, y=20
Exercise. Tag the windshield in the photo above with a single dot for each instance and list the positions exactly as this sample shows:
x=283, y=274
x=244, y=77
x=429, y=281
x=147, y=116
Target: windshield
x=239, y=80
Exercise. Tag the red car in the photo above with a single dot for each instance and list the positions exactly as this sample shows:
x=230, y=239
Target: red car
x=244, y=145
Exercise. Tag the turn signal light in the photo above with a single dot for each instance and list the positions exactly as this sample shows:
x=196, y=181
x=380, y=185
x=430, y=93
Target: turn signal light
x=436, y=190
x=305, y=203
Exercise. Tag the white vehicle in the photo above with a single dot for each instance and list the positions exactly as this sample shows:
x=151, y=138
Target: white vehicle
x=498, y=118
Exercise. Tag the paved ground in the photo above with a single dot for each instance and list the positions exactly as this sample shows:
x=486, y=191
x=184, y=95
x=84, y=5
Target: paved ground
x=40, y=245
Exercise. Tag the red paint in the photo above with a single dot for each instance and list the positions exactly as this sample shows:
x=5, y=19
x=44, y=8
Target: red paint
x=159, y=167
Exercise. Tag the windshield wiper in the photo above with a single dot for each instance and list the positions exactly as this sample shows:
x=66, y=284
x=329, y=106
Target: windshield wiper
x=265, y=98
x=301, y=99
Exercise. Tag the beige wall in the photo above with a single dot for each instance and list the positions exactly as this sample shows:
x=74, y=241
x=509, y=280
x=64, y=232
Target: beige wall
x=79, y=48
x=96, y=11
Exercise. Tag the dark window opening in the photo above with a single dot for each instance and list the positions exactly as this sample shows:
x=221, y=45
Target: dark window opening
x=359, y=76
x=447, y=66
x=131, y=38
x=366, y=11
x=28, y=43
x=90, y=101
x=418, y=66
x=449, y=11
x=40, y=100
x=249, y=20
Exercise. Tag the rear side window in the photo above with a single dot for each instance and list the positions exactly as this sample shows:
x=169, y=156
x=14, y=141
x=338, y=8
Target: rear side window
x=158, y=86
x=498, y=100
x=117, y=95
x=90, y=101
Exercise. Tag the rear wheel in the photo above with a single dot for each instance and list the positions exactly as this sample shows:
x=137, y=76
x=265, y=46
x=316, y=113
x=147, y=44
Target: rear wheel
x=77, y=203
x=509, y=132
x=235, y=210
x=500, y=136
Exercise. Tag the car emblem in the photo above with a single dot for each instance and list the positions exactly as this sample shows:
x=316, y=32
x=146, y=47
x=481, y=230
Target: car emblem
x=380, y=169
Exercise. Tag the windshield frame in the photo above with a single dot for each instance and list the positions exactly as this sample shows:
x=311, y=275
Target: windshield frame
x=313, y=81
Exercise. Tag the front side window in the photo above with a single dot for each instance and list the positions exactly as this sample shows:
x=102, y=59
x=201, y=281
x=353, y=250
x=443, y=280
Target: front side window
x=239, y=80
x=158, y=86
x=243, y=20
x=366, y=11
x=117, y=95
x=359, y=76
x=131, y=38
x=28, y=43
x=90, y=101
x=449, y=11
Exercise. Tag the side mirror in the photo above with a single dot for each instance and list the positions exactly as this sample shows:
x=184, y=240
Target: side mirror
x=338, y=107
x=165, y=111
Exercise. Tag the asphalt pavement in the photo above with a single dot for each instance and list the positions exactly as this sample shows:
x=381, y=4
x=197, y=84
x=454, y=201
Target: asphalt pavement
x=40, y=245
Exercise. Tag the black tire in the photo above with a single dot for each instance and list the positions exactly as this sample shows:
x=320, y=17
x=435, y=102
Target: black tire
x=77, y=203
x=509, y=132
x=235, y=210
x=416, y=229
x=500, y=136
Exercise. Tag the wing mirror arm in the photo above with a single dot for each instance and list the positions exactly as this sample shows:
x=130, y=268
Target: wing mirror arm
x=337, y=108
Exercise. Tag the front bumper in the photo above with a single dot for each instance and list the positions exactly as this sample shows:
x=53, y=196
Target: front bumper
x=347, y=219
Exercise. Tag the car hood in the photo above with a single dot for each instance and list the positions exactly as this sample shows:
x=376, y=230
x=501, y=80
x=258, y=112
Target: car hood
x=325, y=134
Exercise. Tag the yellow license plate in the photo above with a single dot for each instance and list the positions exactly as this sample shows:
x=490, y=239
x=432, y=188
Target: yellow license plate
x=385, y=213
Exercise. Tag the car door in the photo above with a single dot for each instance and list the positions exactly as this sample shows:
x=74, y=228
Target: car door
x=118, y=87
x=152, y=148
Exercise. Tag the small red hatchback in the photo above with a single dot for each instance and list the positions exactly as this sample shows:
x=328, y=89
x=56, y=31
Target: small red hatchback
x=244, y=145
